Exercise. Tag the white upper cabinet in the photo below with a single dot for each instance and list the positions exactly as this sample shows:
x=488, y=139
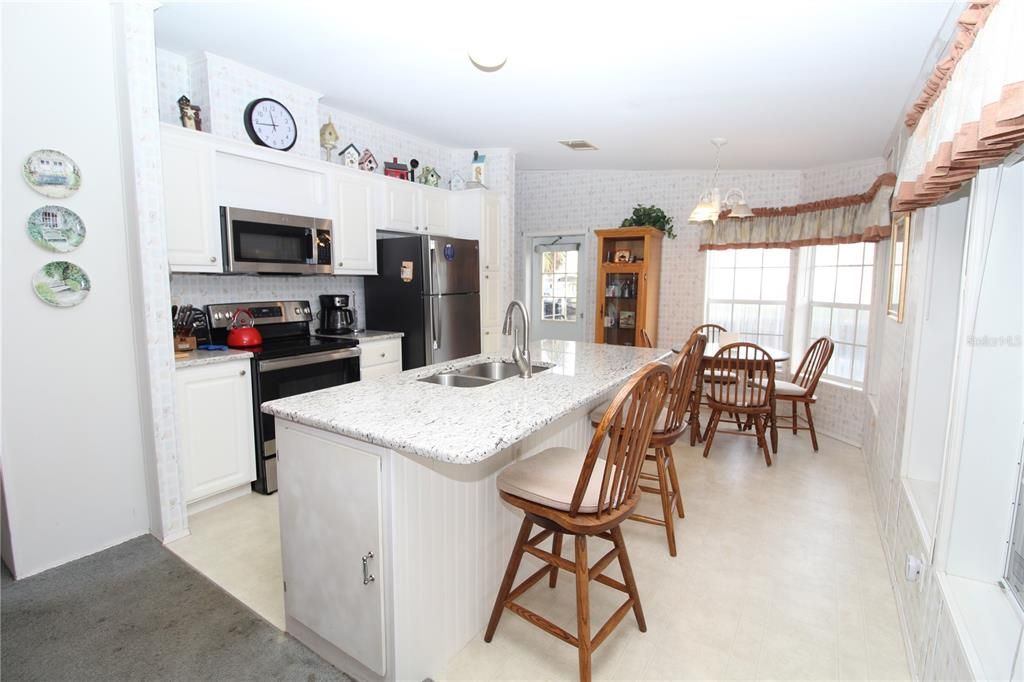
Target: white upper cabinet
x=191, y=215
x=271, y=181
x=490, y=234
x=434, y=210
x=355, y=243
x=401, y=206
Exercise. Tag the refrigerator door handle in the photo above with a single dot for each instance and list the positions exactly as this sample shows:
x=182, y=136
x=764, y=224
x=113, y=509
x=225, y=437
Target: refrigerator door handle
x=435, y=309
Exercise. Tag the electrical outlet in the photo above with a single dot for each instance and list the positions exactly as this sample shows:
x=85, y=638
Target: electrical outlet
x=915, y=567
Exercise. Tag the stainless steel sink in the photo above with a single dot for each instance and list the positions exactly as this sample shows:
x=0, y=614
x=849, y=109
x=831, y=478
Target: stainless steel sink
x=480, y=374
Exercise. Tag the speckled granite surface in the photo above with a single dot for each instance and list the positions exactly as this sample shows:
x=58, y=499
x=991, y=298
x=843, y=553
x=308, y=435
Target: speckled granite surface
x=210, y=357
x=467, y=425
x=373, y=335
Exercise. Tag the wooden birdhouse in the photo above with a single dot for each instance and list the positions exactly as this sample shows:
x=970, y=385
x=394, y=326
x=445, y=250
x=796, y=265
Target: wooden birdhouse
x=393, y=169
x=350, y=156
x=368, y=162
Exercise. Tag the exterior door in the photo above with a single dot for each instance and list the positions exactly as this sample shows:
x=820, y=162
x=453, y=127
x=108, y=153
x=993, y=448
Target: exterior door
x=557, y=289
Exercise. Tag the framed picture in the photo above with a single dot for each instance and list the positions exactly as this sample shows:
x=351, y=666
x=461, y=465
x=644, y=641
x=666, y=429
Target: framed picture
x=622, y=256
x=899, y=260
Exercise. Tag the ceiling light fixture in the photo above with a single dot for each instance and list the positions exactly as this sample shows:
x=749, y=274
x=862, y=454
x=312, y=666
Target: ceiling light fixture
x=711, y=203
x=487, y=61
x=578, y=145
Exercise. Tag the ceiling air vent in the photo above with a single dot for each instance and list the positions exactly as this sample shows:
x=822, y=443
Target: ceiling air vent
x=578, y=145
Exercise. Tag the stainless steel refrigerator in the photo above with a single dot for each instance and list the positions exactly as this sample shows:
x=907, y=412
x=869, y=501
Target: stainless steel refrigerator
x=429, y=288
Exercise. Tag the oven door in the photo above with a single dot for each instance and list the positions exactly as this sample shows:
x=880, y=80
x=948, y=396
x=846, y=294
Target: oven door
x=258, y=241
x=284, y=377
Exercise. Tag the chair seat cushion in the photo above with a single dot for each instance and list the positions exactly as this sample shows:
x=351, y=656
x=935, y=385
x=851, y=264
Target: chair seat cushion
x=597, y=414
x=549, y=478
x=787, y=388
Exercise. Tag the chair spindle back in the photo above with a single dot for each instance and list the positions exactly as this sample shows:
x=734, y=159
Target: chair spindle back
x=680, y=392
x=813, y=364
x=752, y=361
x=628, y=425
x=711, y=331
x=645, y=339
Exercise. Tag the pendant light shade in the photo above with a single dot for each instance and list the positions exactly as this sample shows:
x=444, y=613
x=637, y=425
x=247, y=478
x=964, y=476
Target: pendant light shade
x=710, y=204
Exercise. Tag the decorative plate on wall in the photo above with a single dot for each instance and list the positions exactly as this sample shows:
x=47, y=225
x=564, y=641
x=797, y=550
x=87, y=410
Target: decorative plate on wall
x=61, y=284
x=56, y=228
x=52, y=173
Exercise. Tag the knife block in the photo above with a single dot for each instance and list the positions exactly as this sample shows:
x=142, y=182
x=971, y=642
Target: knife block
x=184, y=344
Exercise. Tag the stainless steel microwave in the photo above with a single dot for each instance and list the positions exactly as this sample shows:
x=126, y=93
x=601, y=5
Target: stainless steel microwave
x=258, y=241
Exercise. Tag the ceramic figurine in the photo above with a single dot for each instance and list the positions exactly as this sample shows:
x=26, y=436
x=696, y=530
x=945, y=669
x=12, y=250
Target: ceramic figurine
x=368, y=162
x=430, y=177
x=457, y=183
x=479, y=169
x=191, y=117
x=328, y=138
x=350, y=156
x=393, y=169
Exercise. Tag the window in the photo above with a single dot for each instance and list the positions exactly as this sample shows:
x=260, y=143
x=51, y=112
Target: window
x=746, y=293
x=840, y=306
x=558, y=281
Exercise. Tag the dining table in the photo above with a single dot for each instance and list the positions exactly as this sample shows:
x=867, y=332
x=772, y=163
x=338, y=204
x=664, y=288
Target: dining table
x=777, y=355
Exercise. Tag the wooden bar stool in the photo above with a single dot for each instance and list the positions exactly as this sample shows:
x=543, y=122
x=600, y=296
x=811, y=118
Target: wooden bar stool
x=751, y=397
x=569, y=492
x=669, y=429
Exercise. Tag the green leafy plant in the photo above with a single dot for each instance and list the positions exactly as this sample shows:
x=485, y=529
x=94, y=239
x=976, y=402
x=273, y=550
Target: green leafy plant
x=650, y=216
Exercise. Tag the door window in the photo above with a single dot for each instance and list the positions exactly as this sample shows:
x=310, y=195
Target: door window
x=559, y=282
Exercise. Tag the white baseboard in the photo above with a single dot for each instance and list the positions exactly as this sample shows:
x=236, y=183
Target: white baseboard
x=218, y=499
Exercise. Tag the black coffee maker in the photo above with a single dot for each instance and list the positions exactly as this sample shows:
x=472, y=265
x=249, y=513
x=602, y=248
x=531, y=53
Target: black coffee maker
x=335, y=316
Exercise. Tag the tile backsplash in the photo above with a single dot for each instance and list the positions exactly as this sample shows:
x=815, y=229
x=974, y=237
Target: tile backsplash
x=200, y=290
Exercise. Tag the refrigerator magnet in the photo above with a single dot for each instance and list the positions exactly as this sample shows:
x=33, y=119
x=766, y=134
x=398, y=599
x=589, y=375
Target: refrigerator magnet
x=407, y=271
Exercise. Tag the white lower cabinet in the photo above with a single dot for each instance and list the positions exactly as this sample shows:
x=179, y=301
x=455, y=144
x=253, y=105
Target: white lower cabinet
x=491, y=311
x=215, y=427
x=380, y=358
x=331, y=542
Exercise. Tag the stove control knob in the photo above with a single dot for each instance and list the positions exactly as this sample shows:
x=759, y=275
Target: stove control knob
x=306, y=310
x=216, y=316
x=298, y=310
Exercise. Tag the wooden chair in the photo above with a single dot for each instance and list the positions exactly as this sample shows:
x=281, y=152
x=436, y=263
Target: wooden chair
x=805, y=382
x=671, y=424
x=713, y=332
x=645, y=339
x=568, y=492
x=751, y=397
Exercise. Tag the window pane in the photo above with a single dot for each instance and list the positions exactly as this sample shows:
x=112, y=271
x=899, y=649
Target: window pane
x=572, y=260
x=824, y=285
x=559, y=286
x=859, y=358
x=773, y=319
x=869, y=254
x=825, y=255
x=720, y=313
x=547, y=285
x=548, y=260
x=776, y=258
x=863, y=322
x=770, y=340
x=848, y=285
x=570, y=309
x=842, y=361
x=866, y=283
x=821, y=320
x=720, y=284
x=851, y=254
x=722, y=259
x=549, y=309
x=559, y=261
x=744, y=319
x=748, y=284
x=844, y=325
x=749, y=258
x=775, y=283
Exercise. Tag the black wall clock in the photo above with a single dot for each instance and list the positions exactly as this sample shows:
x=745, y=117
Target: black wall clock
x=270, y=124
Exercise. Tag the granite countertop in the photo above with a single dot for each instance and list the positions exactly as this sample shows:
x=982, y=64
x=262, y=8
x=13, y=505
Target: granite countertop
x=210, y=357
x=467, y=425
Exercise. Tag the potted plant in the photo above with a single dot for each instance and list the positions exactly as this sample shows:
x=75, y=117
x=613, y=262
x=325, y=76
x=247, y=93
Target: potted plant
x=650, y=216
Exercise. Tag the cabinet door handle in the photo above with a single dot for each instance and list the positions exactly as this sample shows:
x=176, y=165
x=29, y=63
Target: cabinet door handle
x=241, y=373
x=213, y=259
x=340, y=264
x=383, y=355
x=367, y=576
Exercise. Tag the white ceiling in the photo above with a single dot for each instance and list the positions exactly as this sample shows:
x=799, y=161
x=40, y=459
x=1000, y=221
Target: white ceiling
x=790, y=84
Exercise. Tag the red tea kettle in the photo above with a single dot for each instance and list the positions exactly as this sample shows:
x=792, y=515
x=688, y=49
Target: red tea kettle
x=242, y=333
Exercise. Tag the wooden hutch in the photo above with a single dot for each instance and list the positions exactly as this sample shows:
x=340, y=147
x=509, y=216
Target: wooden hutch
x=628, y=276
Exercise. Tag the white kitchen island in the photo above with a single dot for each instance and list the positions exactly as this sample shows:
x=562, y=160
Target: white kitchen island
x=394, y=478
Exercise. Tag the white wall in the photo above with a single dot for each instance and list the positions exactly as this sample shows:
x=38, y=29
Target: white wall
x=72, y=443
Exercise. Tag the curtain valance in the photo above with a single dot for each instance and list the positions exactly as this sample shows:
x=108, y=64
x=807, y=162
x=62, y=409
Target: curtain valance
x=971, y=114
x=843, y=220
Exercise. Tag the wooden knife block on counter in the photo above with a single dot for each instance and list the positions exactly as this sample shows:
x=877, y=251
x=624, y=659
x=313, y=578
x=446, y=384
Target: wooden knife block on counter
x=184, y=344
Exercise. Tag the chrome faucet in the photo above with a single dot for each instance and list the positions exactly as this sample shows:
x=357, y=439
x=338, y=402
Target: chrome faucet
x=520, y=355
